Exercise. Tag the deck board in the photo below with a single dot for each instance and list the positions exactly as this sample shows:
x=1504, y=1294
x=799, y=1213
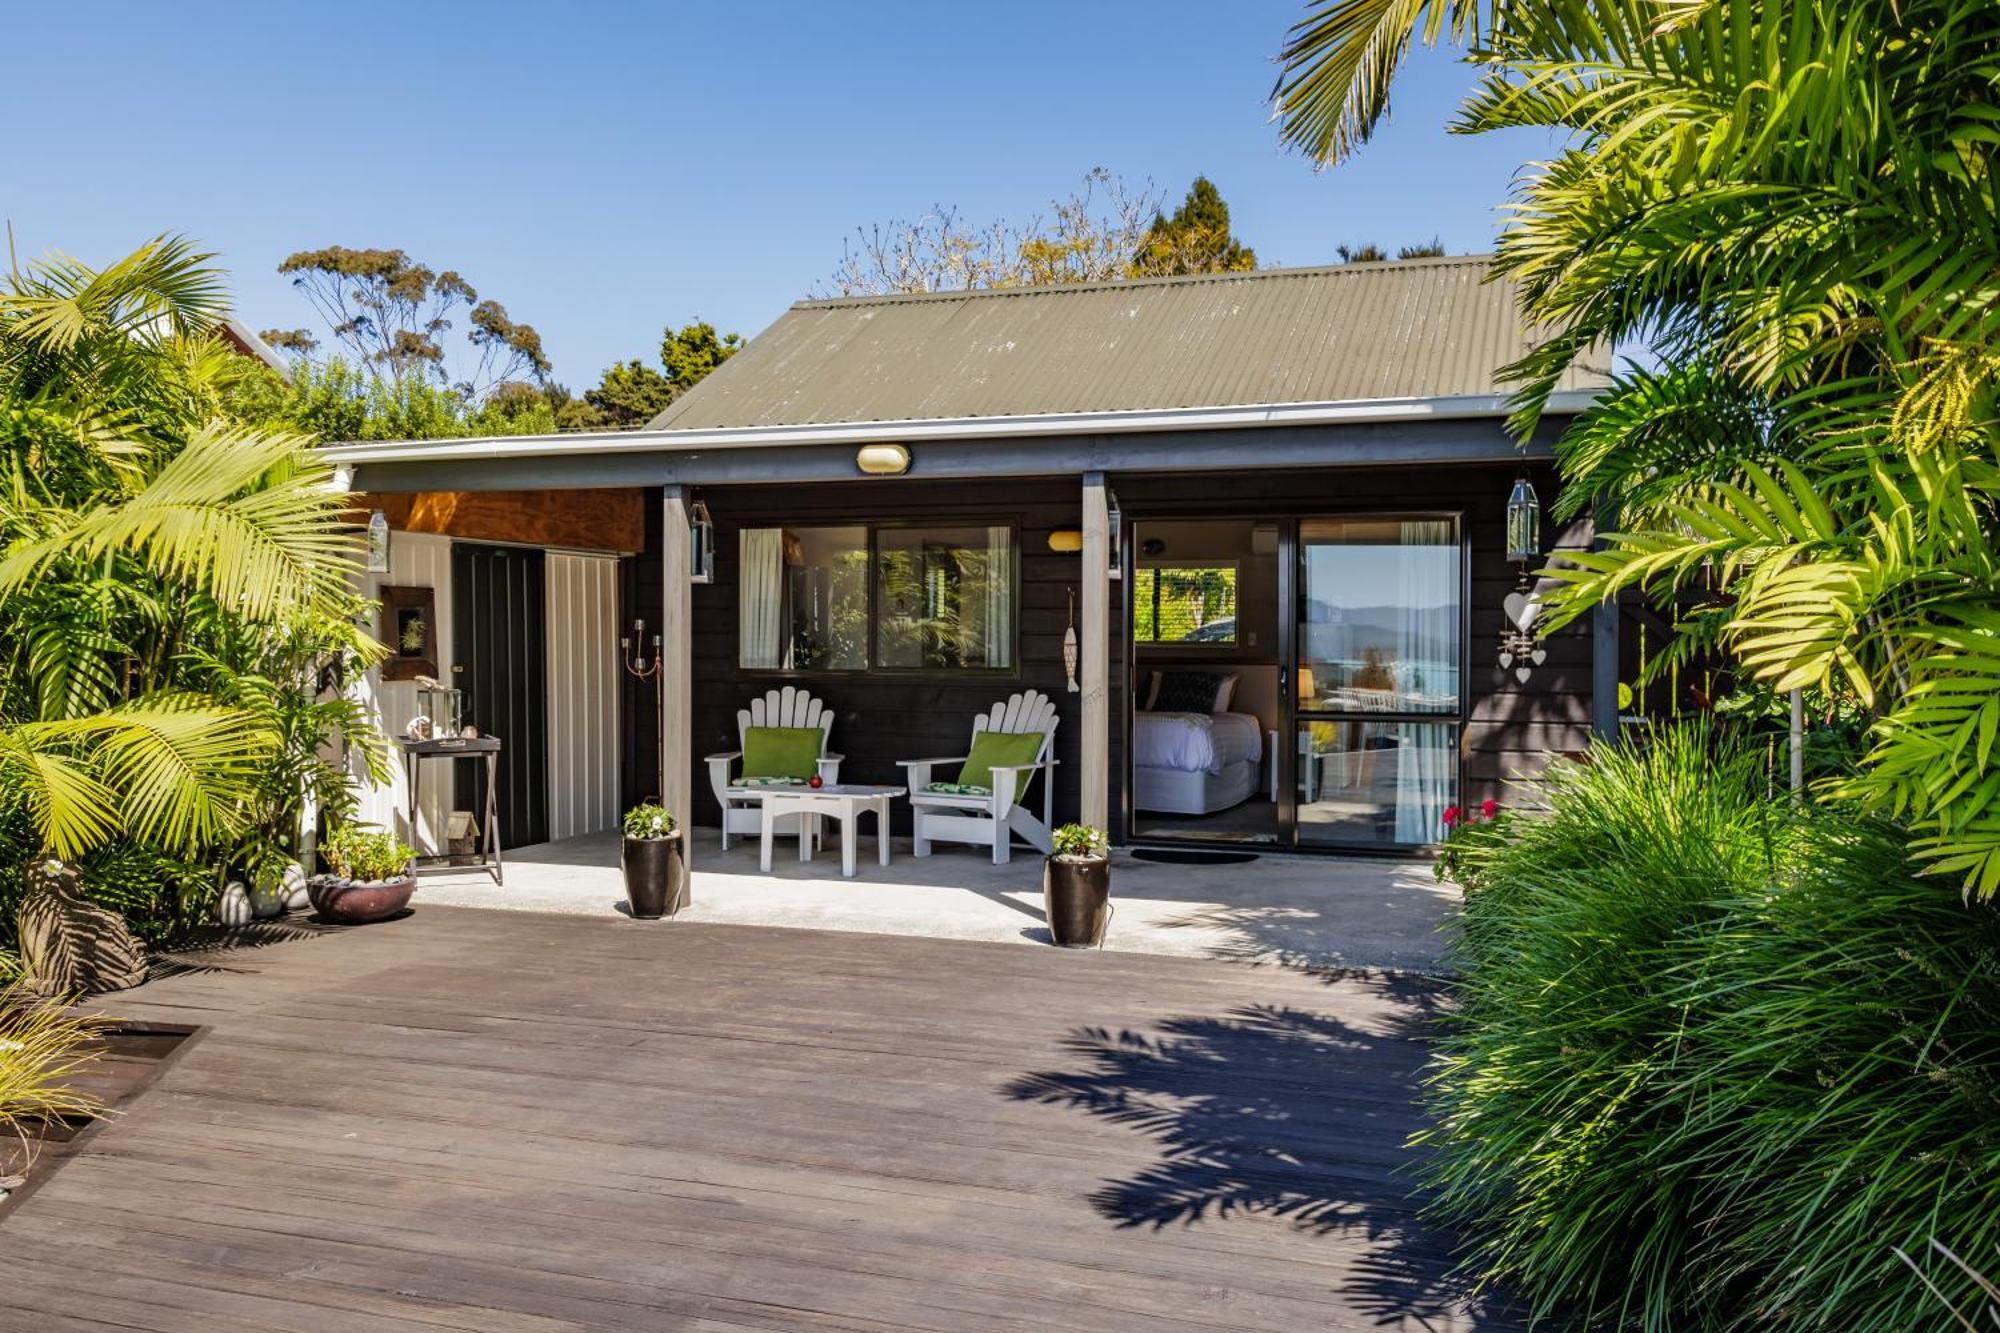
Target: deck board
x=499, y=1120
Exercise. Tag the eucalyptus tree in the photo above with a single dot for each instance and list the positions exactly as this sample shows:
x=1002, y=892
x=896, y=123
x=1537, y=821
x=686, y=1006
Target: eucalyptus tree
x=1793, y=204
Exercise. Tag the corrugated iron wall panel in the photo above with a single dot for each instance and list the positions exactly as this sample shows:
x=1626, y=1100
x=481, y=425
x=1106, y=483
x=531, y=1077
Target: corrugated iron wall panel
x=583, y=693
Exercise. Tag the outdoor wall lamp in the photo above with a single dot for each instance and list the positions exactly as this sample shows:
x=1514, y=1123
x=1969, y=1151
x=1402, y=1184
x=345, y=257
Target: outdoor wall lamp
x=883, y=460
x=701, y=536
x=1524, y=522
x=1066, y=541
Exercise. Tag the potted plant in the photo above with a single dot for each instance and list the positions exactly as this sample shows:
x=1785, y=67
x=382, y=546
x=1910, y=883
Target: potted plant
x=1076, y=886
x=654, y=883
x=371, y=875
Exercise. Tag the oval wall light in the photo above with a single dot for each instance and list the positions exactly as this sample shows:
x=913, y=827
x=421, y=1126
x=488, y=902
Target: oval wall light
x=883, y=460
x=1066, y=540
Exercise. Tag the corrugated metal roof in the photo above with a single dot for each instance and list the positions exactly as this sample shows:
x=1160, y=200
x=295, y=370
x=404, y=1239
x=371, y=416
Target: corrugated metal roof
x=1406, y=330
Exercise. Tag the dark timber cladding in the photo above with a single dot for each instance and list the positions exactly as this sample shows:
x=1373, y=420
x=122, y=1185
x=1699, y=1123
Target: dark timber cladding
x=1511, y=727
x=500, y=637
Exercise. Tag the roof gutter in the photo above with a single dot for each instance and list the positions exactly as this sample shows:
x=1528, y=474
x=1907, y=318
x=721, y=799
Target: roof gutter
x=1350, y=412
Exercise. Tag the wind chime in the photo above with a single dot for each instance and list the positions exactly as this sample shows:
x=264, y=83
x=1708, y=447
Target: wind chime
x=1521, y=648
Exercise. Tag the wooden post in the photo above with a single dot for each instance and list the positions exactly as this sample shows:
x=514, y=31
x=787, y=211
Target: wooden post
x=677, y=659
x=1094, y=671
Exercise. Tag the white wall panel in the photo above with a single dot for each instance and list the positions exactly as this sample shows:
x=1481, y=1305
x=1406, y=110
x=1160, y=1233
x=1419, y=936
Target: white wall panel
x=416, y=560
x=583, y=693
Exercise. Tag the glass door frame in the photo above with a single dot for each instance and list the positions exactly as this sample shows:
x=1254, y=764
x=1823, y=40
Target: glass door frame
x=1291, y=590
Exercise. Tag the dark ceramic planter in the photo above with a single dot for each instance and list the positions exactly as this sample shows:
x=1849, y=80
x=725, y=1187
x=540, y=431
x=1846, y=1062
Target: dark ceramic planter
x=358, y=902
x=1076, y=899
x=655, y=876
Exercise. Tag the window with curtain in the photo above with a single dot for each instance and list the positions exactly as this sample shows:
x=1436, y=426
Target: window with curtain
x=802, y=599
x=860, y=597
x=1381, y=633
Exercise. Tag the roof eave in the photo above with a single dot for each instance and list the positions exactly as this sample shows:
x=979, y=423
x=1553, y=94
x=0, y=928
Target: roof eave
x=1350, y=412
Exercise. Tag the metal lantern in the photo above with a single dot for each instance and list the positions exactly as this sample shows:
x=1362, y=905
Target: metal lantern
x=1524, y=523
x=701, y=534
x=378, y=543
x=1114, y=522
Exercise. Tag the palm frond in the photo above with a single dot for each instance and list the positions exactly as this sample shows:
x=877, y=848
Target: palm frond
x=1338, y=61
x=248, y=517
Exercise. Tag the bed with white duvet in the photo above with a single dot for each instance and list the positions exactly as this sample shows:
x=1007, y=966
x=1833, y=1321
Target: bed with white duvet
x=1194, y=763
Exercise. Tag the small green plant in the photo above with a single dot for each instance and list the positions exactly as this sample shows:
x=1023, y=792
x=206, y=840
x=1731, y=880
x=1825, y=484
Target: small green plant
x=648, y=821
x=1081, y=840
x=1469, y=834
x=365, y=853
x=42, y=1049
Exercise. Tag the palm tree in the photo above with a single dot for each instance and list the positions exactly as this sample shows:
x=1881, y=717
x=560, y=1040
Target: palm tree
x=134, y=526
x=1793, y=205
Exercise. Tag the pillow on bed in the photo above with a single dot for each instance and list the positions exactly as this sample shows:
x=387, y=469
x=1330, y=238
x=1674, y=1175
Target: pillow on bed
x=1225, y=694
x=1190, y=692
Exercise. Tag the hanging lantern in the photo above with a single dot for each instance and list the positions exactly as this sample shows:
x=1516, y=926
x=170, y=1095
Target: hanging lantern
x=1524, y=522
x=1114, y=522
x=378, y=543
x=701, y=536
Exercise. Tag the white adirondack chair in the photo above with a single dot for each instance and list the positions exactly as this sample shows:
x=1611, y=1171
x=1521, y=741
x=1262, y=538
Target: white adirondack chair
x=787, y=707
x=993, y=820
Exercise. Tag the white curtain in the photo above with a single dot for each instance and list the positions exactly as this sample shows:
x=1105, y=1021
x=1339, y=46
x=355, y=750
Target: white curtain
x=999, y=627
x=1427, y=676
x=760, y=582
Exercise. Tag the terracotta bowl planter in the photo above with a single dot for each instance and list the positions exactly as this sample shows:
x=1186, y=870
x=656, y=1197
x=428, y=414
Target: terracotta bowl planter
x=655, y=876
x=1076, y=899
x=358, y=902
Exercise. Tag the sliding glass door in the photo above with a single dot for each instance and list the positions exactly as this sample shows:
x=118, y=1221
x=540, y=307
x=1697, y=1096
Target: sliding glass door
x=1379, y=691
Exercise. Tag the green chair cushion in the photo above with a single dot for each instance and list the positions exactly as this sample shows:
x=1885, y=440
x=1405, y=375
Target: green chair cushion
x=998, y=747
x=781, y=752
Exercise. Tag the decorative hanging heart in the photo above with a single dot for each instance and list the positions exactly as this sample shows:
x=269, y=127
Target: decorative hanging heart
x=1522, y=608
x=1539, y=656
x=1521, y=674
x=1506, y=660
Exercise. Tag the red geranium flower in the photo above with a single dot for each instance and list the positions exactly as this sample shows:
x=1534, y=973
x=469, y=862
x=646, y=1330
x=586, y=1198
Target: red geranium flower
x=1451, y=816
x=1489, y=807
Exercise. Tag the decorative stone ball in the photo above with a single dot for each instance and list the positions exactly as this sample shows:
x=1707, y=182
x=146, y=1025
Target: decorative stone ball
x=233, y=908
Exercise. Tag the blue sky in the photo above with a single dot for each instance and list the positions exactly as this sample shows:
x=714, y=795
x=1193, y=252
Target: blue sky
x=607, y=169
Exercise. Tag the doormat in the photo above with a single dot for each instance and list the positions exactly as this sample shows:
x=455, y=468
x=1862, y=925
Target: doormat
x=1188, y=857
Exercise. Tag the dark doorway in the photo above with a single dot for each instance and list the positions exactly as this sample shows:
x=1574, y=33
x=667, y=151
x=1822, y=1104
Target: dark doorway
x=500, y=659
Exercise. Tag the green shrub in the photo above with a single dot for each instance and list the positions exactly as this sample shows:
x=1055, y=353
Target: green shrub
x=1716, y=1056
x=361, y=852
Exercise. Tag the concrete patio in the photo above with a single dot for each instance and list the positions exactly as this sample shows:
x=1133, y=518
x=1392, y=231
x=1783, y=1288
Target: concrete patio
x=1312, y=912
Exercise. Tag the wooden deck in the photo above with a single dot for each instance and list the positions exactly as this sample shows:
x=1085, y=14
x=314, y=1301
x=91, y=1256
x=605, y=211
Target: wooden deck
x=508, y=1121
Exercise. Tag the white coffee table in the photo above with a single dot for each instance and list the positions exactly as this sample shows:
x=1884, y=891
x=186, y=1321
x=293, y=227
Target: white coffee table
x=843, y=802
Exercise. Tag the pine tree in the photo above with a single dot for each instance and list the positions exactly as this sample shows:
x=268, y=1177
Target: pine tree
x=1196, y=239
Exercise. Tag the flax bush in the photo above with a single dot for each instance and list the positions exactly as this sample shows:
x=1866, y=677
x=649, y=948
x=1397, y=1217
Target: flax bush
x=1716, y=1056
